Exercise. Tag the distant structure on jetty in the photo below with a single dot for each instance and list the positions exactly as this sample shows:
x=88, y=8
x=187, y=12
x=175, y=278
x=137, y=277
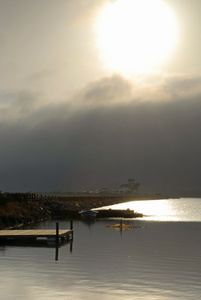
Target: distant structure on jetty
x=131, y=187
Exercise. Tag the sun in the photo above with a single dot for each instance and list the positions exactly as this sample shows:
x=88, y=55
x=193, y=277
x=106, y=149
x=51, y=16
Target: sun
x=135, y=36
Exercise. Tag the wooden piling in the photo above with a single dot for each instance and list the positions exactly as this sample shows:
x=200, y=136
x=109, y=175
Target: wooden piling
x=71, y=224
x=57, y=232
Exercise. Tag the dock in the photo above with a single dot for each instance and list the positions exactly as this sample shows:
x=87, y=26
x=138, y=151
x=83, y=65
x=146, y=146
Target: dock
x=118, y=213
x=36, y=235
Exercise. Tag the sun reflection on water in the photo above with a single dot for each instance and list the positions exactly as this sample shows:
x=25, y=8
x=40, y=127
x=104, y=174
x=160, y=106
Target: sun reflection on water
x=153, y=210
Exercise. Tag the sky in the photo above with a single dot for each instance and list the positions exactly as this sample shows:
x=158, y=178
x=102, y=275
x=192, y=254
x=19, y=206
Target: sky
x=95, y=92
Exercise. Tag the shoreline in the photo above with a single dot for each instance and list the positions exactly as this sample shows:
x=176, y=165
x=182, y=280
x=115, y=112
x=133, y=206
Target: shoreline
x=16, y=213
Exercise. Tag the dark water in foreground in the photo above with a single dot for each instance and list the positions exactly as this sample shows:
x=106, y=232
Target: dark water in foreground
x=160, y=259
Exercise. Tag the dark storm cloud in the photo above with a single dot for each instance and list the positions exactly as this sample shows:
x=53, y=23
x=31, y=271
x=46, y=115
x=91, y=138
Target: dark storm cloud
x=66, y=146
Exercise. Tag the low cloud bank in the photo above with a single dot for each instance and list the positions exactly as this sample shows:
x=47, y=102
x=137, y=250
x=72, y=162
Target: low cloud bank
x=103, y=136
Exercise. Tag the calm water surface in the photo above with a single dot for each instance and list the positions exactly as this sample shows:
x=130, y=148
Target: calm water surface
x=159, y=259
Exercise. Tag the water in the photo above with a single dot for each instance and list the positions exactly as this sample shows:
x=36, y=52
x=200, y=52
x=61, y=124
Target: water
x=159, y=259
x=183, y=209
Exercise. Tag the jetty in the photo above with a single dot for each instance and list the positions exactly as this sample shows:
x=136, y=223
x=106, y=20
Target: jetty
x=30, y=236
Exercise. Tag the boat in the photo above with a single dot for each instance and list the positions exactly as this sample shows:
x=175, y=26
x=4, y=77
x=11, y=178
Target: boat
x=88, y=214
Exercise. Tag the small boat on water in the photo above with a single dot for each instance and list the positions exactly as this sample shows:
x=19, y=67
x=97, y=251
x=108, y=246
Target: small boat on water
x=88, y=214
x=109, y=213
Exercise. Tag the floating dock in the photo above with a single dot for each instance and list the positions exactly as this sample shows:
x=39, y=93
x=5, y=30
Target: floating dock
x=36, y=235
x=118, y=213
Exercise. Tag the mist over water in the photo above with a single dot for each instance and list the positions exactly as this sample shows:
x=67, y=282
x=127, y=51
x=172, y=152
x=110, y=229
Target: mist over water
x=155, y=260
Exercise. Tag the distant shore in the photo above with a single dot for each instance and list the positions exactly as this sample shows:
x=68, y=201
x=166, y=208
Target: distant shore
x=16, y=212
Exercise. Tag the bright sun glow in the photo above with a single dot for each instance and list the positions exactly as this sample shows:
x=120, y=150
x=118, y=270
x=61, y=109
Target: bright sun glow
x=135, y=36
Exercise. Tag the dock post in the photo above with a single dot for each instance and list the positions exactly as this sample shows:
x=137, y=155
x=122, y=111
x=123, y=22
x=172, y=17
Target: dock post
x=57, y=233
x=71, y=246
x=56, y=252
x=71, y=224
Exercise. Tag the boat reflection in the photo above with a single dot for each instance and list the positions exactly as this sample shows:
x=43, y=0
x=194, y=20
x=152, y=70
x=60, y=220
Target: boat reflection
x=88, y=222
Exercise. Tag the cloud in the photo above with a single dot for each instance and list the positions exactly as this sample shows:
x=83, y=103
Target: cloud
x=182, y=85
x=98, y=139
x=17, y=105
x=114, y=89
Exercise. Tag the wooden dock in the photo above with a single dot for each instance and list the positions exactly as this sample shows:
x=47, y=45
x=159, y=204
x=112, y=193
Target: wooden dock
x=36, y=235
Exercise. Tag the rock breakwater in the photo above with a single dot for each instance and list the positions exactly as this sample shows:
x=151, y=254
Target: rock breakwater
x=16, y=211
